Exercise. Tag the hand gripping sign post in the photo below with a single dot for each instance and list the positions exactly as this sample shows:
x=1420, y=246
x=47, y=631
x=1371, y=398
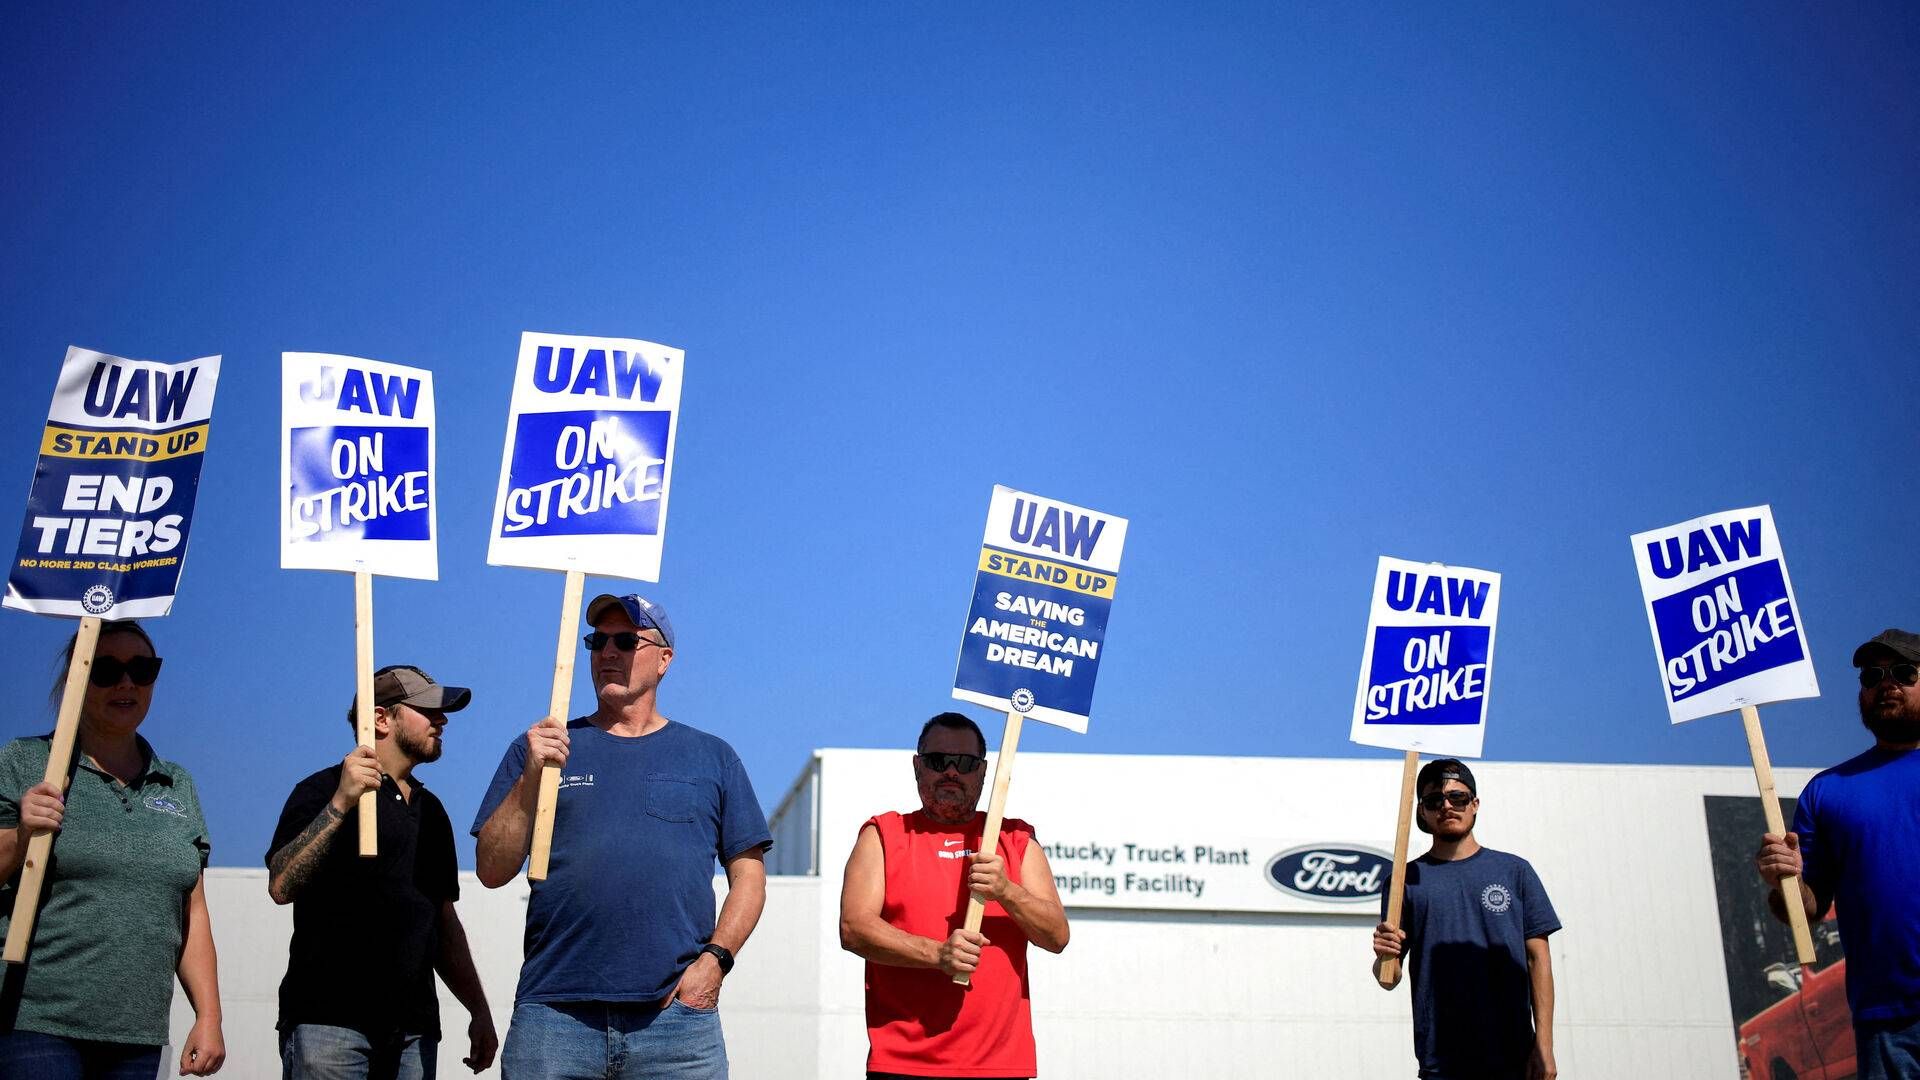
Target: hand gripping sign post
x=584, y=481
x=356, y=494
x=1424, y=681
x=1728, y=636
x=106, y=529
x=1041, y=597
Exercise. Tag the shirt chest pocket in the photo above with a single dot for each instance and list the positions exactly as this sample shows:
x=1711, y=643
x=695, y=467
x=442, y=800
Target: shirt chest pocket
x=672, y=798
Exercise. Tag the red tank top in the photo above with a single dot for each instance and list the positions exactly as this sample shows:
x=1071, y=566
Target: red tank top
x=918, y=1022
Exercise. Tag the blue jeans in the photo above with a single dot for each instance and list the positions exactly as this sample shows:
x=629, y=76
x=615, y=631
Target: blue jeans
x=589, y=1040
x=1887, y=1051
x=320, y=1052
x=29, y=1055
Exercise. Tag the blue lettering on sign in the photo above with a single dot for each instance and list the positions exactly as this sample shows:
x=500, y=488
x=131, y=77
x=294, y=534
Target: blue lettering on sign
x=1428, y=675
x=1436, y=594
x=358, y=483
x=1032, y=636
x=587, y=473
x=355, y=390
x=1707, y=547
x=1072, y=535
x=1736, y=625
x=606, y=372
x=155, y=397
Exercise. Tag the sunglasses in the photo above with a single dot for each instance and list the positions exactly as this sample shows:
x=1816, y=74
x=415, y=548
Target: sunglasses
x=625, y=641
x=107, y=670
x=1456, y=799
x=960, y=763
x=1904, y=674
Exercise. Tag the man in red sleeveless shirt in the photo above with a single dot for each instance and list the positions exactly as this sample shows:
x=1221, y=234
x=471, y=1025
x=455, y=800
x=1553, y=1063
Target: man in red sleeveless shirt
x=903, y=908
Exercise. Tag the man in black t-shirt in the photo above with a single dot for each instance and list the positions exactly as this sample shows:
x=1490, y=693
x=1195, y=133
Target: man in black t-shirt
x=368, y=934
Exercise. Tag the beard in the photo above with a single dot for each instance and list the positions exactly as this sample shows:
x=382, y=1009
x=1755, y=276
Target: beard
x=421, y=749
x=1901, y=727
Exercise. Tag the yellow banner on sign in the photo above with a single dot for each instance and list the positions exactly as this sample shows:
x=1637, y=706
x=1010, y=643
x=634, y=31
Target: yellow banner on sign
x=123, y=445
x=1058, y=575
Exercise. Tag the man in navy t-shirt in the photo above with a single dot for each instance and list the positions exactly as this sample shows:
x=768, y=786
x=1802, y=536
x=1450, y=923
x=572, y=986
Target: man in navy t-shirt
x=624, y=955
x=1856, y=841
x=1474, y=934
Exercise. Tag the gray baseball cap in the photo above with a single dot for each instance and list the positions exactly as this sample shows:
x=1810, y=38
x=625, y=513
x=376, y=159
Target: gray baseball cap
x=1900, y=643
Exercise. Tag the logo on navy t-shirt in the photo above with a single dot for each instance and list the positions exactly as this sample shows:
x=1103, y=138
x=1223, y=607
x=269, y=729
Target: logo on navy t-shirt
x=1496, y=898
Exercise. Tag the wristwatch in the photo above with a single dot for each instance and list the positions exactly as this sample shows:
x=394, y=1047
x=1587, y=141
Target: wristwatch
x=720, y=953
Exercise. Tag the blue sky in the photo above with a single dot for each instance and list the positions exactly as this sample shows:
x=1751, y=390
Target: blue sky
x=1289, y=288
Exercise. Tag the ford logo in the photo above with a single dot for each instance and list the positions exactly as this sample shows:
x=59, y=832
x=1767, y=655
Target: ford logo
x=1343, y=875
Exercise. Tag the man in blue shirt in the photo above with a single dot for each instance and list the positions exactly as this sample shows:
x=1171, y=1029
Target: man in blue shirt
x=624, y=955
x=1474, y=934
x=1856, y=841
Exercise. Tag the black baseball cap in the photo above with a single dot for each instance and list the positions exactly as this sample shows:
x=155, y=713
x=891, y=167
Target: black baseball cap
x=1441, y=770
x=1900, y=643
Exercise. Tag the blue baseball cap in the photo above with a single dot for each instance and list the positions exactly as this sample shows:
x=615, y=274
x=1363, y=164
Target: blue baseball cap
x=645, y=614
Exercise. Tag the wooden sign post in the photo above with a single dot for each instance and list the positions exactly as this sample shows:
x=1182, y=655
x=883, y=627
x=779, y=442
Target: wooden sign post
x=996, y=812
x=66, y=730
x=1397, y=886
x=363, y=703
x=1770, y=805
x=558, y=707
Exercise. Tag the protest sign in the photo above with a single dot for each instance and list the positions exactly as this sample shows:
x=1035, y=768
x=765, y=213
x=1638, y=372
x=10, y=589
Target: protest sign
x=1041, y=594
x=1727, y=633
x=1424, y=679
x=357, y=494
x=106, y=530
x=584, y=480
x=1726, y=629
x=356, y=466
x=1042, y=591
x=588, y=463
x=111, y=505
x=1428, y=662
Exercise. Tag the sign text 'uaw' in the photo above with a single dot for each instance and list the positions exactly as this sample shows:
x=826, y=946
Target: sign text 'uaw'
x=1042, y=591
x=588, y=463
x=1428, y=662
x=1725, y=625
x=112, y=499
x=356, y=466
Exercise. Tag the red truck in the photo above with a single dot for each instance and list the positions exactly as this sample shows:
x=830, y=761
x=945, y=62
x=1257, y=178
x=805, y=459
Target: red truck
x=1807, y=1035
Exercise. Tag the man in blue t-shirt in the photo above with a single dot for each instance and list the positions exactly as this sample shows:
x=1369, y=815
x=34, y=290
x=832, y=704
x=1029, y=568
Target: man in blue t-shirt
x=624, y=956
x=1856, y=841
x=1474, y=934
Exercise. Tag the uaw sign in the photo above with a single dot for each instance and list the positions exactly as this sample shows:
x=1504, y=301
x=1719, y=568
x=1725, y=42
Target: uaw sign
x=1726, y=629
x=356, y=466
x=1042, y=591
x=1427, y=667
x=111, y=505
x=588, y=463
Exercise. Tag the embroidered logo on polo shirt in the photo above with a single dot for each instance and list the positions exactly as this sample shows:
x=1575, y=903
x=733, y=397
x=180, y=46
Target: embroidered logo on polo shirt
x=165, y=805
x=1496, y=898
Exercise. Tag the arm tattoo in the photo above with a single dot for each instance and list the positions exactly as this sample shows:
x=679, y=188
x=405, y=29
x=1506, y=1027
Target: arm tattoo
x=299, y=857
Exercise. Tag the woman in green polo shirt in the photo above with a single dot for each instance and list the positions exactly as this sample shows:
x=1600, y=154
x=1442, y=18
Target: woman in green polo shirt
x=124, y=908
